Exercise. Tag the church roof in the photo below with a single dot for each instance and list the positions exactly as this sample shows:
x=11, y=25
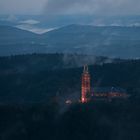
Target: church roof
x=108, y=90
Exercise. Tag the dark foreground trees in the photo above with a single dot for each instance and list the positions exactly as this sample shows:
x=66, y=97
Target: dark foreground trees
x=98, y=121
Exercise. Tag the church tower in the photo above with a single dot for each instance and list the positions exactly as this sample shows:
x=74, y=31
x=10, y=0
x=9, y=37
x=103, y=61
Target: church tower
x=85, y=91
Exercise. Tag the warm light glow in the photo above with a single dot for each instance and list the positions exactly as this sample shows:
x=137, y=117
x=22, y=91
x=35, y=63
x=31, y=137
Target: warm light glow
x=68, y=102
x=85, y=93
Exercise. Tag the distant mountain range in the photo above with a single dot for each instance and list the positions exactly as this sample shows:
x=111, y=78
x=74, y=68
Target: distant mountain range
x=111, y=41
x=14, y=35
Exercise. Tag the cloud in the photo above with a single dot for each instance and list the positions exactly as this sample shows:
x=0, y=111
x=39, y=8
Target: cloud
x=95, y=7
x=65, y=7
x=30, y=21
x=21, y=6
x=34, y=29
x=9, y=18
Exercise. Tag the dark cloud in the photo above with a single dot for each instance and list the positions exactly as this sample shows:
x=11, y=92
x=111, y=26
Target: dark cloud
x=22, y=6
x=96, y=7
x=64, y=7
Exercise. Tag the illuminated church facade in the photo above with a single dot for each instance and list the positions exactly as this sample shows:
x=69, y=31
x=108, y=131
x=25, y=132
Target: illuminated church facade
x=100, y=93
x=85, y=89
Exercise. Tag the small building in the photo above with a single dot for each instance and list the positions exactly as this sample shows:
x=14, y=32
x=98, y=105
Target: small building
x=98, y=93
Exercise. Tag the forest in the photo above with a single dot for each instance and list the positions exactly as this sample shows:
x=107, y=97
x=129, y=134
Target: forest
x=37, y=78
x=33, y=89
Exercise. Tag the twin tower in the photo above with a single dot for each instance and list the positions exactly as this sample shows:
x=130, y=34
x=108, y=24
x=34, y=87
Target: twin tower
x=85, y=89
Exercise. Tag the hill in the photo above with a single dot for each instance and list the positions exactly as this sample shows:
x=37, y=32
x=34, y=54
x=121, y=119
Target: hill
x=37, y=78
x=112, y=41
x=17, y=41
x=101, y=41
x=8, y=33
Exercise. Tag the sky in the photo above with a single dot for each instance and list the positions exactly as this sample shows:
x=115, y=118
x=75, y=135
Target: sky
x=70, y=7
x=58, y=13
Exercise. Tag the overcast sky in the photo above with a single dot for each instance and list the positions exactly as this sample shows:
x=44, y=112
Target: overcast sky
x=48, y=7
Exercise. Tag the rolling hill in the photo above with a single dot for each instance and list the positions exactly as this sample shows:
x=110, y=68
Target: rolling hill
x=112, y=41
x=9, y=33
x=104, y=41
